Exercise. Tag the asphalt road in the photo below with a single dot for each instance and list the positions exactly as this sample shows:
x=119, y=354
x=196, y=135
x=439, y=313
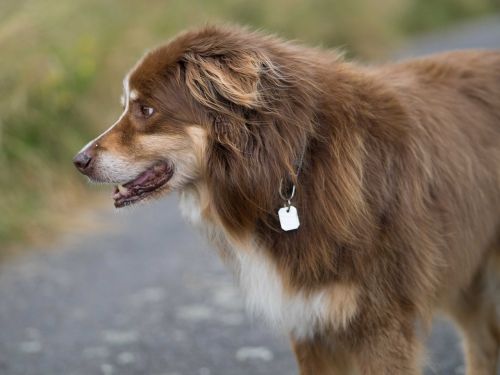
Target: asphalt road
x=146, y=295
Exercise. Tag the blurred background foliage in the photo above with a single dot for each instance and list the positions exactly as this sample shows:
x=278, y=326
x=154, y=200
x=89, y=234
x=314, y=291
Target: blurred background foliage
x=62, y=62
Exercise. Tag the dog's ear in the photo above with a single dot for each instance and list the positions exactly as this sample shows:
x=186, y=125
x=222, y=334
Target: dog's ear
x=228, y=85
x=222, y=81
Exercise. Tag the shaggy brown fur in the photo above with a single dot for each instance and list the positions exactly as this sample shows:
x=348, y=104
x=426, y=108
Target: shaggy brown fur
x=398, y=194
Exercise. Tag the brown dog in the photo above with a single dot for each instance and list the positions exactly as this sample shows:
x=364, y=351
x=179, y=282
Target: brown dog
x=397, y=173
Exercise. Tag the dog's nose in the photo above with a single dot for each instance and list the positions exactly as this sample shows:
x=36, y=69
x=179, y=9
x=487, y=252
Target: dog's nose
x=82, y=160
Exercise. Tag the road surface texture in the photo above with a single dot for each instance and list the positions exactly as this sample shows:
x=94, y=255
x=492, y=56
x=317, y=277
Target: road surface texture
x=146, y=295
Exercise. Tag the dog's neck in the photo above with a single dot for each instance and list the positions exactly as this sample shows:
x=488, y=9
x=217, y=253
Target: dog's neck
x=240, y=194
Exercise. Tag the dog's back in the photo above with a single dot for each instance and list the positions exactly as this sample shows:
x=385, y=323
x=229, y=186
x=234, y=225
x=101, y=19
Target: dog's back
x=454, y=99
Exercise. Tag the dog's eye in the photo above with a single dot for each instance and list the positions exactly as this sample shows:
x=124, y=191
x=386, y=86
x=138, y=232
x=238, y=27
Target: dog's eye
x=146, y=111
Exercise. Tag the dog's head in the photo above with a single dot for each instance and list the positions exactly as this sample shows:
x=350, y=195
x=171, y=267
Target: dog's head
x=157, y=144
x=215, y=105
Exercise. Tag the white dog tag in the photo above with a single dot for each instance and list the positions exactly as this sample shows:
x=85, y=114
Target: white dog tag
x=289, y=219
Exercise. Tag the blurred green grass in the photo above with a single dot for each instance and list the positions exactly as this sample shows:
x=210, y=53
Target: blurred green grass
x=62, y=64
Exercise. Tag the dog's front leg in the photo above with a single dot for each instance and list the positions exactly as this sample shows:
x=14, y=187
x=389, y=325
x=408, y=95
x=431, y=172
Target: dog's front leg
x=391, y=350
x=318, y=357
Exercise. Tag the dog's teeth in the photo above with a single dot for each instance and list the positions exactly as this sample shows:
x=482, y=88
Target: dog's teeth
x=122, y=189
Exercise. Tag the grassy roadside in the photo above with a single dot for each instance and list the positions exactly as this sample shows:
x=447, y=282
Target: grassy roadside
x=62, y=64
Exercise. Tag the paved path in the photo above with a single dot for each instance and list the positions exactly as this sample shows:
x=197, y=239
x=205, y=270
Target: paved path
x=147, y=296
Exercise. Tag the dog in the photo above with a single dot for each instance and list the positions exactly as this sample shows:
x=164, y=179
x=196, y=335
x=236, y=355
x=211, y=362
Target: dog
x=352, y=202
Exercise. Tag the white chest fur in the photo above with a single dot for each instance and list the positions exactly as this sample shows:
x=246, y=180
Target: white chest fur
x=295, y=313
x=266, y=297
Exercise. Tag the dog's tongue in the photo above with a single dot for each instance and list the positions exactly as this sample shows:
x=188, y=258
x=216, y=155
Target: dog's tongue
x=143, y=177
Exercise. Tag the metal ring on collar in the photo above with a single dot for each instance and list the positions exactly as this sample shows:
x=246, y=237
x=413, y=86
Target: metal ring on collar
x=292, y=194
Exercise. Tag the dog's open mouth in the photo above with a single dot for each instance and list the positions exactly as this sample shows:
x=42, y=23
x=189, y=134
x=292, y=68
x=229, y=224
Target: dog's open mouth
x=148, y=182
